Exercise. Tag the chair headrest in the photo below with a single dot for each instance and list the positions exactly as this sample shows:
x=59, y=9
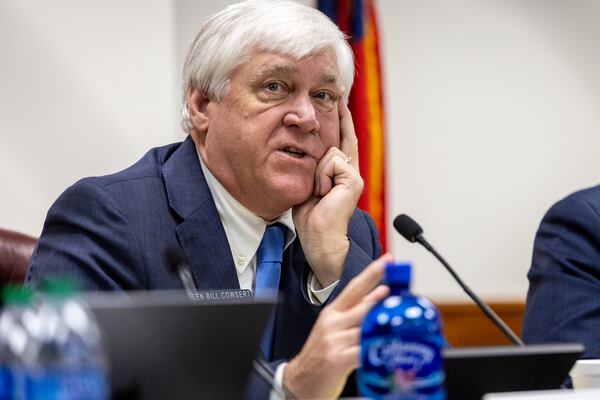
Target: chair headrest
x=15, y=251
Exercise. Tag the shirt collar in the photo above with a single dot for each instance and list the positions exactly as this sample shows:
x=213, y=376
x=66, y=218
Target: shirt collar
x=243, y=228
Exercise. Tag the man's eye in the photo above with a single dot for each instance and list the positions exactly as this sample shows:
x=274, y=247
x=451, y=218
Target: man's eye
x=273, y=86
x=325, y=96
x=326, y=99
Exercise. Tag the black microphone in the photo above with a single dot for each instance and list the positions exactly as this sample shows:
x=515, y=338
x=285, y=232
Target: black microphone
x=179, y=265
x=412, y=232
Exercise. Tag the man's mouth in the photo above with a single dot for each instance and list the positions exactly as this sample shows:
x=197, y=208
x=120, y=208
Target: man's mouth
x=294, y=152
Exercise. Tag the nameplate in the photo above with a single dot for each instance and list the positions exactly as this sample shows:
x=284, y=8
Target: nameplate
x=222, y=295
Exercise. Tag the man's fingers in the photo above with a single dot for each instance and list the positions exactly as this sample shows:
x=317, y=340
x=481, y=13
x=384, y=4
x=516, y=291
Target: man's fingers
x=360, y=286
x=354, y=316
x=331, y=166
x=348, y=140
x=346, y=337
x=376, y=295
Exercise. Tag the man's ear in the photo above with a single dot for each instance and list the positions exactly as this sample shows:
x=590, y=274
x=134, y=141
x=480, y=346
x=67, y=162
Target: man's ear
x=198, y=109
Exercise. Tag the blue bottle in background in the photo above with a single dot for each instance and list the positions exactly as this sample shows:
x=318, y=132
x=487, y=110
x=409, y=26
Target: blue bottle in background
x=401, y=343
x=15, y=340
x=69, y=361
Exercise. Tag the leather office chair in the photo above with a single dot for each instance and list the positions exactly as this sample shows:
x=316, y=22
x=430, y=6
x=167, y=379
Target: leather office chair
x=15, y=251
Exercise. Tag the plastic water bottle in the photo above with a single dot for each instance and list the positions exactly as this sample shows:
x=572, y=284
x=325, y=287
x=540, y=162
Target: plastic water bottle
x=70, y=362
x=401, y=343
x=15, y=340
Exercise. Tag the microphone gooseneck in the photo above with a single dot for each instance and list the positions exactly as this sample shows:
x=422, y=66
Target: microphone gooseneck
x=180, y=266
x=262, y=368
x=412, y=232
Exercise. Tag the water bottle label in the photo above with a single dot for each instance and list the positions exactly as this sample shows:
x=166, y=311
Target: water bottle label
x=397, y=368
x=65, y=384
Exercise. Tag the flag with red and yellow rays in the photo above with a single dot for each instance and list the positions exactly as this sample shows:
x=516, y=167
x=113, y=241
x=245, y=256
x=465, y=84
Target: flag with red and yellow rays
x=357, y=19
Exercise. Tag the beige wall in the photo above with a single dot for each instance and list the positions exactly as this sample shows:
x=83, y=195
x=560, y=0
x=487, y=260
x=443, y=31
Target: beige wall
x=86, y=87
x=492, y=114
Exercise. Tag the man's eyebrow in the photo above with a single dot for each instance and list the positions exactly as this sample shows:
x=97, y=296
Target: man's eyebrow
x=276, y=69
x=288, y=69
x=329, y=78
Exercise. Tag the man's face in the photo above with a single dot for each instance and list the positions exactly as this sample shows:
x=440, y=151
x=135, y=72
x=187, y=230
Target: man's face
x=263, y=141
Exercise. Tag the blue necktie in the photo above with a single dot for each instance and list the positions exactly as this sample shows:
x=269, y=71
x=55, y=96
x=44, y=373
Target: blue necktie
x=268, y=272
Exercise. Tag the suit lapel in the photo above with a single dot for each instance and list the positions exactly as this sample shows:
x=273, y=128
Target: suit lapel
x=201, y=234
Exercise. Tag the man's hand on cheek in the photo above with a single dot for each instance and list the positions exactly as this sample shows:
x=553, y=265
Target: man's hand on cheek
x=322, y=221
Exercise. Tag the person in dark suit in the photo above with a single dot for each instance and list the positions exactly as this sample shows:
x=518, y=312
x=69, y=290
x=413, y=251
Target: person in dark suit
x=271, y=145
x=563, y=302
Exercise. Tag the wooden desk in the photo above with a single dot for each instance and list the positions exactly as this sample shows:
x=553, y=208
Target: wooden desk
x=466, y=325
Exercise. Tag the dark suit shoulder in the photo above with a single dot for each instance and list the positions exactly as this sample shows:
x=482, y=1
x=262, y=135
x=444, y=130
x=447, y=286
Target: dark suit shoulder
x=149, y=166
x=564, y=278
x=592, y=194
x=574, y=203
x=141, y=183
x=571, y=227
x=105, y=231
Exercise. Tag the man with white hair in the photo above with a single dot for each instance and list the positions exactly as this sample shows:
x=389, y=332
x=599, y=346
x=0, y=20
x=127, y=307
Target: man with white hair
x=271, y=153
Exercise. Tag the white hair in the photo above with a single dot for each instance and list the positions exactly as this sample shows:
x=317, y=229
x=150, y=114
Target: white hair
x=228, y=38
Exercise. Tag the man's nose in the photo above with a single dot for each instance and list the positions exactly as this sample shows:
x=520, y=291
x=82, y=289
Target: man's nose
x=302, y=114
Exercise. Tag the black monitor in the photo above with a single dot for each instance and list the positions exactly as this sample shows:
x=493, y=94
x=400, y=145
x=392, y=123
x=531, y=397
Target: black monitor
x=472, y=372
x=161, y=345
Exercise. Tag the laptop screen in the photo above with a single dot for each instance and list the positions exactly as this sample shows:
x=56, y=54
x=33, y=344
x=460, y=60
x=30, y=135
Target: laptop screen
x=161, y=345
x=472, y=372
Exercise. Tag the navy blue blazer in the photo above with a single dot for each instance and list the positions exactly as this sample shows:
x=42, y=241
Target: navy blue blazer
x=563, y=302
x=112, y=233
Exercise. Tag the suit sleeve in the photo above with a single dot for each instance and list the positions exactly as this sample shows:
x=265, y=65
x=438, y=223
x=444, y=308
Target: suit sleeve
x=563, y=302
x=88, y=239
x=364, y=248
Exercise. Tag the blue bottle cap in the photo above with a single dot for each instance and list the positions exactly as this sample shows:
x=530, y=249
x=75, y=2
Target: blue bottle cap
x=398, y=273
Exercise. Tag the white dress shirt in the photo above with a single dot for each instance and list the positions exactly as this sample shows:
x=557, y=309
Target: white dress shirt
x=244, y=231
